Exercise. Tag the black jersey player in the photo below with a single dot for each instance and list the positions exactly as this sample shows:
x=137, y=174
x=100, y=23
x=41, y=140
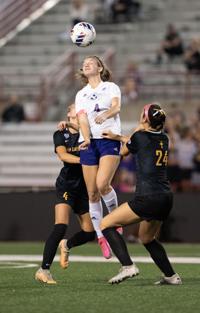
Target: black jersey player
x=71, y=194
x=152, y=200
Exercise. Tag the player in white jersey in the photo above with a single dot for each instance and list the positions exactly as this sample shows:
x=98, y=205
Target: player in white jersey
x=97, y=107
x=96, y=101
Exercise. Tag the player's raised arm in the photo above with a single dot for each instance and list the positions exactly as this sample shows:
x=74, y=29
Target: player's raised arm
x=124, y=139
x=65, y=156
x=85, y=129
x=113, y=111
x=64, y=124
x=110, y=135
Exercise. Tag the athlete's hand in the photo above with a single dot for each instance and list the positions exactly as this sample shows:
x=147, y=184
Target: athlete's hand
x=109, y=135
x=62, y=125
x=101, y=118
x=84, y=145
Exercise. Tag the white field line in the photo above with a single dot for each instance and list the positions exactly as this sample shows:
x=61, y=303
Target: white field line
x=79, y=258
x=9, y=265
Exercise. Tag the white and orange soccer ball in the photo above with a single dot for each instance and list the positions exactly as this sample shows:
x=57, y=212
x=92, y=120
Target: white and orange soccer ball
x=83, y=34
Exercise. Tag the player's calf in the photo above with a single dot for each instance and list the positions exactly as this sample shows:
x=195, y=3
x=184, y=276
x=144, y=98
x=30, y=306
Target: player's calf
x=64, y=254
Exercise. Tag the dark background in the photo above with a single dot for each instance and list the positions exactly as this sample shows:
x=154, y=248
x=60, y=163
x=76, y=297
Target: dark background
x=29, y=216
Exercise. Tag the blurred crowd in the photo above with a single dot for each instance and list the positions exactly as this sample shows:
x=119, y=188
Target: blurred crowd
x=173, y=47
x=184, y=155
x=105, y=11
x=118, y=11
x=14, y=110
x=183, y=130
x=130, y=82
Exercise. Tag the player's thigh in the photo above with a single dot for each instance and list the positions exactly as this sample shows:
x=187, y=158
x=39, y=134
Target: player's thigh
x=90, y=175
x=85, y=222
x=149, y=230
x=123, y=215
x=108, y=165
x=62, y=213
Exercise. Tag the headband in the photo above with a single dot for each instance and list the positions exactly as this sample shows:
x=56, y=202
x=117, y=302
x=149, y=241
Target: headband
x=146, y=111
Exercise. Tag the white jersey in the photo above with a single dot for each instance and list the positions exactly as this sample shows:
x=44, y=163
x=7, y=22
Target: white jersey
x=96, y=101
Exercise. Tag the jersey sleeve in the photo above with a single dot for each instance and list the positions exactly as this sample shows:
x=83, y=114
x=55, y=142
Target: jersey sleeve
x=132, y=144
x=115, y=91
x=58, y=139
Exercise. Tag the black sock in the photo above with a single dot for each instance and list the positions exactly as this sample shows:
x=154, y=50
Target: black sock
x=80, y=238
x=159, y=256
x=52, y=243
x=117, y=245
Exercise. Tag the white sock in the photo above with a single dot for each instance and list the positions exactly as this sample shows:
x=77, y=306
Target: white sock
x=110, y=200
x=96, y=214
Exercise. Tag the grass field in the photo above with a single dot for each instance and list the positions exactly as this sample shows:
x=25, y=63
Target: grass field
x=83, y=286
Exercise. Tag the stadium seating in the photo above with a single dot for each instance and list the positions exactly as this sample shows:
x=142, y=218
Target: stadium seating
x=24, y=58
x=27, y=157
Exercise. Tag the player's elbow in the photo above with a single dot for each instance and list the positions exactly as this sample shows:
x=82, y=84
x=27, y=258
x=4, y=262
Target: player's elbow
x=61, y=156
x=124, y=151
x=117, y=108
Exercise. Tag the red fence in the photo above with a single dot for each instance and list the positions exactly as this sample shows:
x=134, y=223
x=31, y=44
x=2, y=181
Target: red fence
x=12, y=12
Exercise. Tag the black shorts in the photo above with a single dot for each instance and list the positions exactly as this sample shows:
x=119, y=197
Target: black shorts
x=174, y=173
x=152, y=207
x=74, y=194
x=185, y=174
x=77, y=199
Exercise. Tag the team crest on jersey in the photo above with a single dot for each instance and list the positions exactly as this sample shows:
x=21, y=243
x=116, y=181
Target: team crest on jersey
x=66, y=136
x=161, y=144
x=93, y=97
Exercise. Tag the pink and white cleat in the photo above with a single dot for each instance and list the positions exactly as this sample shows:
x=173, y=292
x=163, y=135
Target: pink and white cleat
x=105, y=248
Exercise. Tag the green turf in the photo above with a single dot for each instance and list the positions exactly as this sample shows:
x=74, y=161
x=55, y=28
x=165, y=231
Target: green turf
x=93, y=249
x=83, y=287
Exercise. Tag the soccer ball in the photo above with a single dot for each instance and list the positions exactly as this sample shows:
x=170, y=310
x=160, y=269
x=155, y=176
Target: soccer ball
x=83, y=34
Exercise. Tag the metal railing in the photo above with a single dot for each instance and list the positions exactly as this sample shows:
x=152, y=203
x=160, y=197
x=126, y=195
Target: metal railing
x=61, y=73
x=12, y=12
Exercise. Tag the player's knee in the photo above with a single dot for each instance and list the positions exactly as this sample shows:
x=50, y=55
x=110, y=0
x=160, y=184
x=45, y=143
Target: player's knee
x=145, y=238
x=94, y=196
x=61, y=220
x=103, y=187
